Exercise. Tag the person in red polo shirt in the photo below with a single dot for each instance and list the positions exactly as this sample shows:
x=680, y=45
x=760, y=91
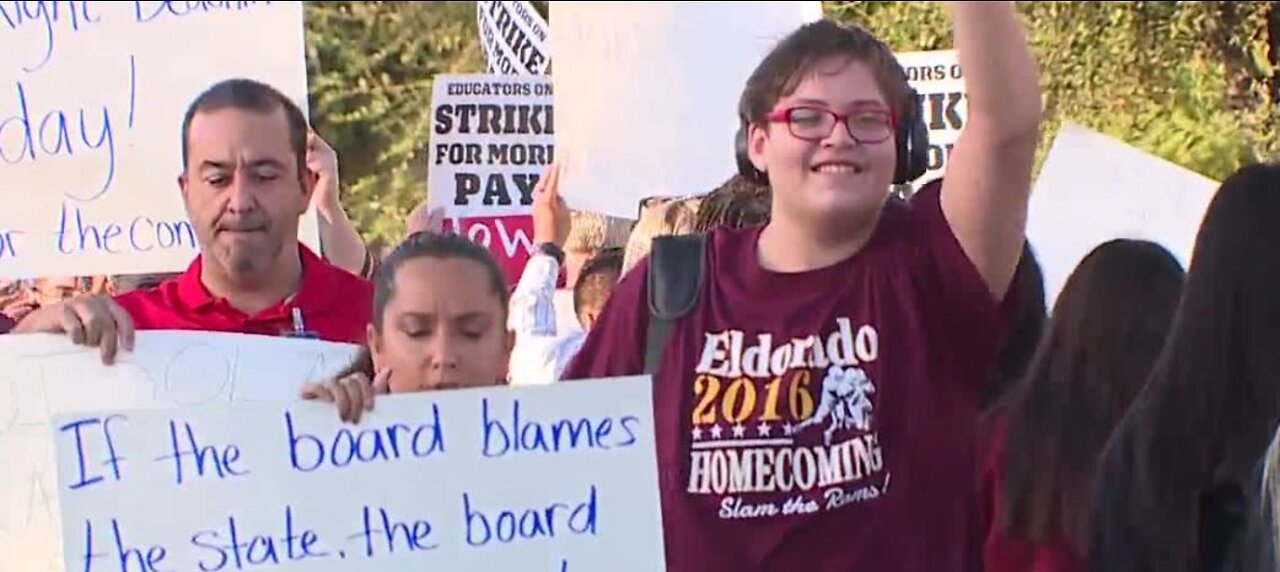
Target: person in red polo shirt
x=245, y=185
x=815, y=408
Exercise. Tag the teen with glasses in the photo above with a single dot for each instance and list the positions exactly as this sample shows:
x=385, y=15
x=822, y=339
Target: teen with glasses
x=816, y=405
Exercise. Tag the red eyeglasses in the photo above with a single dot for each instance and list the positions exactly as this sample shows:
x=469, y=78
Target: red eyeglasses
x=866, y=126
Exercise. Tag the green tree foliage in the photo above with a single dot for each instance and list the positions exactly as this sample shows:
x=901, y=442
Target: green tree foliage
x=1192, y=82
x=371, y=66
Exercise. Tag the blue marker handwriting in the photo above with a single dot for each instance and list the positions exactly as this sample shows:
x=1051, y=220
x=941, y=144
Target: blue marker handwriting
x=219, y=462
x=519, y=433
x=235, y=548
x=9, y=243
x=393, y=535
x=31, y=131
x=510, y=525
x=76, y=233
x=145, y=12
x=346, y=446
x=124, y=558
x=87, y=433
x=48, y=19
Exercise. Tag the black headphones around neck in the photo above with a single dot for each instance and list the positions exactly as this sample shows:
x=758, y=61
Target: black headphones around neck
x=912, y=141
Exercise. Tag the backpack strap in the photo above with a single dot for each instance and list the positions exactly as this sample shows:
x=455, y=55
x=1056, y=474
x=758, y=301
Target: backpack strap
x=675, y=280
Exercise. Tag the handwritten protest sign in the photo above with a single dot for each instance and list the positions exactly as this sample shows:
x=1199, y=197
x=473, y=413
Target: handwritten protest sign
x=647, y=93
x=92, y=96
x=1093, y=188
x=491, y=140
x=514, y=37
x=42, y=376
x=554, y=479
x=939, y=83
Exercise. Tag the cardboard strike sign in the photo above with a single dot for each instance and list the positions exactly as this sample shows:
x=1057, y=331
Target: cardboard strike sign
x=549, y=479
x=492, y=138
x=514, y=36
x=939, y=84
x=92, y=96
x=43, y=376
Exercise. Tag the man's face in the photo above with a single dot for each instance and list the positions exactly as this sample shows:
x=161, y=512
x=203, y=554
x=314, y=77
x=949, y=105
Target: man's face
x=243, y=190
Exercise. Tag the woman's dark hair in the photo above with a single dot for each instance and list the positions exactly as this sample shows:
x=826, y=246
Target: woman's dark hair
x=1107, y=327
x=432, y=245
x=1211, y=406
x=1023, y=337
x=799, y=53
x=424, y=245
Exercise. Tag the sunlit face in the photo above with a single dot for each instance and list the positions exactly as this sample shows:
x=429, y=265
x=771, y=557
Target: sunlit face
x=444, y=328
x=243, y=190
x=832, y=179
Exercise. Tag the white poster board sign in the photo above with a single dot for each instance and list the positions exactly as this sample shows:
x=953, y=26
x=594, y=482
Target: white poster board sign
x=492, y=137
x=549, y=479
x=939, y=83
x=42, y=376
x=91, y=104
x=514, y=36
x=647, y=93
x=1093, y=188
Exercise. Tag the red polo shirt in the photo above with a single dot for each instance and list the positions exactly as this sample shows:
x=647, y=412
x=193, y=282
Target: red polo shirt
x=335, y=305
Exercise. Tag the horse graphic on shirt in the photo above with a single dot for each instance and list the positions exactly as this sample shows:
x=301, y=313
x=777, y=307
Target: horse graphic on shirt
x=845, y=400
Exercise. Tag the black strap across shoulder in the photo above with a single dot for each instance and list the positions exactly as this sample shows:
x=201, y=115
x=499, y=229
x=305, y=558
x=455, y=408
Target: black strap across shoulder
x=675, y=280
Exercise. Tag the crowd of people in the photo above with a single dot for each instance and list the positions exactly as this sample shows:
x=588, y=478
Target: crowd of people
x=845, y=377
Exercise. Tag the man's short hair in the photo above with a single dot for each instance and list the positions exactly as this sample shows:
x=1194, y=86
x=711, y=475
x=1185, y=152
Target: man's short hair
x=593, y=232
x=596, y=280
x=249, y=95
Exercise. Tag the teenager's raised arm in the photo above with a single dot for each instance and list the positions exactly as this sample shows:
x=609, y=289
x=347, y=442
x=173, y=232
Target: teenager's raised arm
x=988, y=180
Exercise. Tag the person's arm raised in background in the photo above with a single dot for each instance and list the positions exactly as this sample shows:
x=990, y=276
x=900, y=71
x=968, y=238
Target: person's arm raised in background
x=341, y=243
x=532, y=306
x=533, y=311
x=988, y=182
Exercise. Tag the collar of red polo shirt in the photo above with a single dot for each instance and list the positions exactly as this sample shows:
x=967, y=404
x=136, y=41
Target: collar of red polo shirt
x=330, y=304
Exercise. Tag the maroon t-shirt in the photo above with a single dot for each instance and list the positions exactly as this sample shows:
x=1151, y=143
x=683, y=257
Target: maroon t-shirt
x=823, y=420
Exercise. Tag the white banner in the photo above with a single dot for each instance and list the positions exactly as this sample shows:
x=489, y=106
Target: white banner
x=42, y=376
x=939, y=81
x=92, y=96
x=548, y=479
x=647, y=93
x=514, y=36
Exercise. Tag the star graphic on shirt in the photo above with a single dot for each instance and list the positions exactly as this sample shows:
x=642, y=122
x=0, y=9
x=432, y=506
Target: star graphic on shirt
x=788, y=429
x=764, y=429
x=739, y=431
x=697, y=433
x=715, y=431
